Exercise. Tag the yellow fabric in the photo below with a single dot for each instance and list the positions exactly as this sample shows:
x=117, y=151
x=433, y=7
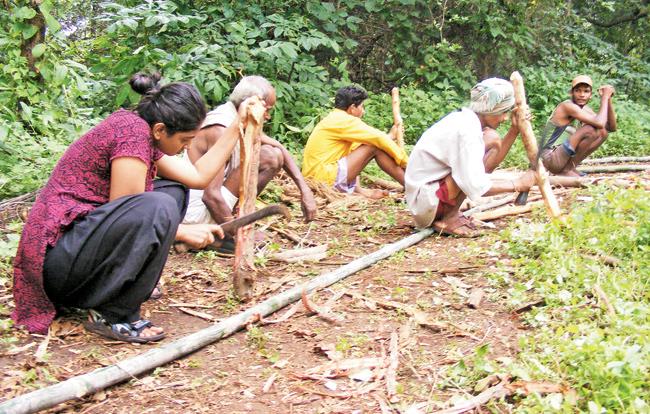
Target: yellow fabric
x=335, y=137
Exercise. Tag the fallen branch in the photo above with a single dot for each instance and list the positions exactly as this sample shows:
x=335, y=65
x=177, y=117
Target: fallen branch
x=498, y=391
x=198, y=314
x=324, y=314
x=603, y=298
x=79, y=386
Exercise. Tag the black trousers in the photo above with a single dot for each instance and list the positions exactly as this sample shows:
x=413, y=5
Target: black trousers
x=111, y=259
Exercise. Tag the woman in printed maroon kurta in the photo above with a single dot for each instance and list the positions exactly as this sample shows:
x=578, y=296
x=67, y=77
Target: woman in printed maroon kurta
x=98, y=236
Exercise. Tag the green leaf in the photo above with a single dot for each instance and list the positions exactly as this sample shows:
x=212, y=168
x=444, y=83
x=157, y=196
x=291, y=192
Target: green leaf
x=38, y=50
x=23, y=13
x=50, y=21
x=29, y=31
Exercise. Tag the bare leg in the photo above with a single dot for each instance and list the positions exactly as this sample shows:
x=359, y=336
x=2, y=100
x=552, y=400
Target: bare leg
x=360, y=157
x=585, y=141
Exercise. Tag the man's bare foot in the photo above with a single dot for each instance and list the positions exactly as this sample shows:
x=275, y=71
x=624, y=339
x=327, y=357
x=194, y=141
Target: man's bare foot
x=371, y=193
x=459, y=226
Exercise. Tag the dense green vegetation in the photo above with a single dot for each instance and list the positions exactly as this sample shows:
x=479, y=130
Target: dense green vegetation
x=65, y=67
x=602, y=353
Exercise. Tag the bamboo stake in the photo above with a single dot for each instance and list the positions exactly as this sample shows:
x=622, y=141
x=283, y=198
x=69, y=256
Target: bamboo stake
x=528, y=138
x=79, y=386
x=250, y=143
x=397, y=118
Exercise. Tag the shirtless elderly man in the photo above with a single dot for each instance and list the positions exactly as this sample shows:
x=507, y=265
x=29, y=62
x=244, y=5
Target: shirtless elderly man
x=215, y=204
x=579, y=129
x=452, y=158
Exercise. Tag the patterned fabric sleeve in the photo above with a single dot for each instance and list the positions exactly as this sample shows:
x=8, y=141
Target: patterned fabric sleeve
x=133, y=142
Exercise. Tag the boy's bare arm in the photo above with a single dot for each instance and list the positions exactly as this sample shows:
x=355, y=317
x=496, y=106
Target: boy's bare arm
x=569, y=110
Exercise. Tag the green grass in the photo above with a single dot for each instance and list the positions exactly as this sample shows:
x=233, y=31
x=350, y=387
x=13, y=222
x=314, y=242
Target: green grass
x=575, y=341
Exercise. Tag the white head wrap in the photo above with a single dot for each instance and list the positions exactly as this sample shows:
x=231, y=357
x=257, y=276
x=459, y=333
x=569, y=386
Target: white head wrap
x=492, y=97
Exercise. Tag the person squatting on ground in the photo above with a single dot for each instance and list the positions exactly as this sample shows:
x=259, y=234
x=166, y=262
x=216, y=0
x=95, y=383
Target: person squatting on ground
x=579, y=129
x=99, y=232
x=451, y=160
x=341, y=146
x=215, y=204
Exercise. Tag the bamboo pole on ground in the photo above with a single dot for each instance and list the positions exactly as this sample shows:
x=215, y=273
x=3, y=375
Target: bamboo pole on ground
x=250, y=143
x=79, y=386
x=614, y=168
x=608, y=160
x=397, y=117
x=528, y=138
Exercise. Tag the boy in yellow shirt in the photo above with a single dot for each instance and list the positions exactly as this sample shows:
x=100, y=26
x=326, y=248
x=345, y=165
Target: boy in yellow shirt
x=341, y=146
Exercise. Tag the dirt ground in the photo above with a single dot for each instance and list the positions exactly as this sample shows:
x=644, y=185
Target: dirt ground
x=418, y=296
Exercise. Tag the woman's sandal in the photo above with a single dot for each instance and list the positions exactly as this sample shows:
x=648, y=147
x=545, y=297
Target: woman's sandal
x=461, y=227
x=125, y=331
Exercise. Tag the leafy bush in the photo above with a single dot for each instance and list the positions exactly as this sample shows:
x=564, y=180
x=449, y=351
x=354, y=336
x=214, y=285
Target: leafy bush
x=604, y=355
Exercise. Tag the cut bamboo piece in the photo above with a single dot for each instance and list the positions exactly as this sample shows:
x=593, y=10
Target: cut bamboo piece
x=397, y=118
x=505, y=211
x=79, y=386
x=530, y=143
x=250, y=143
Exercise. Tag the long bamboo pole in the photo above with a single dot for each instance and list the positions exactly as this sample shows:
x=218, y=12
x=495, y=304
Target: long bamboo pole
x=608, y=160
x=528, y=138
x=79, y=386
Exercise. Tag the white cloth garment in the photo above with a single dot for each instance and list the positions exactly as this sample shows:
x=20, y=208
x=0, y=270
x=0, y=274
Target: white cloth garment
x=452, y=145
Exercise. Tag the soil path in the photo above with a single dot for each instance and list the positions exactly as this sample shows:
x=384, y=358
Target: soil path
x=419, y=294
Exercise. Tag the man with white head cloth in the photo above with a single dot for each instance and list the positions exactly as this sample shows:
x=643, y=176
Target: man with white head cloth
x=215, y=204
x=453, y=157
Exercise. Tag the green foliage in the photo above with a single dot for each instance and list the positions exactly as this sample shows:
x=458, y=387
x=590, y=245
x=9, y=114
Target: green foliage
x=604, y=357
x=65, y=68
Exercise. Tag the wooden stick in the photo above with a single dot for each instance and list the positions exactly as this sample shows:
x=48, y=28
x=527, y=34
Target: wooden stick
x=603, y=298
x=79, y=386
x=614, y=168
x=498, y=391
x=505, y=211
x=530, y=143
x=397, y=118
x=489, y=205
x=386, y=184
x=250, y=144
x=608, y=160
x=391, y=373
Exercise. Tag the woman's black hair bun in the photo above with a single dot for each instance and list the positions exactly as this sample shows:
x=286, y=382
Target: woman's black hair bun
x=143, y=83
